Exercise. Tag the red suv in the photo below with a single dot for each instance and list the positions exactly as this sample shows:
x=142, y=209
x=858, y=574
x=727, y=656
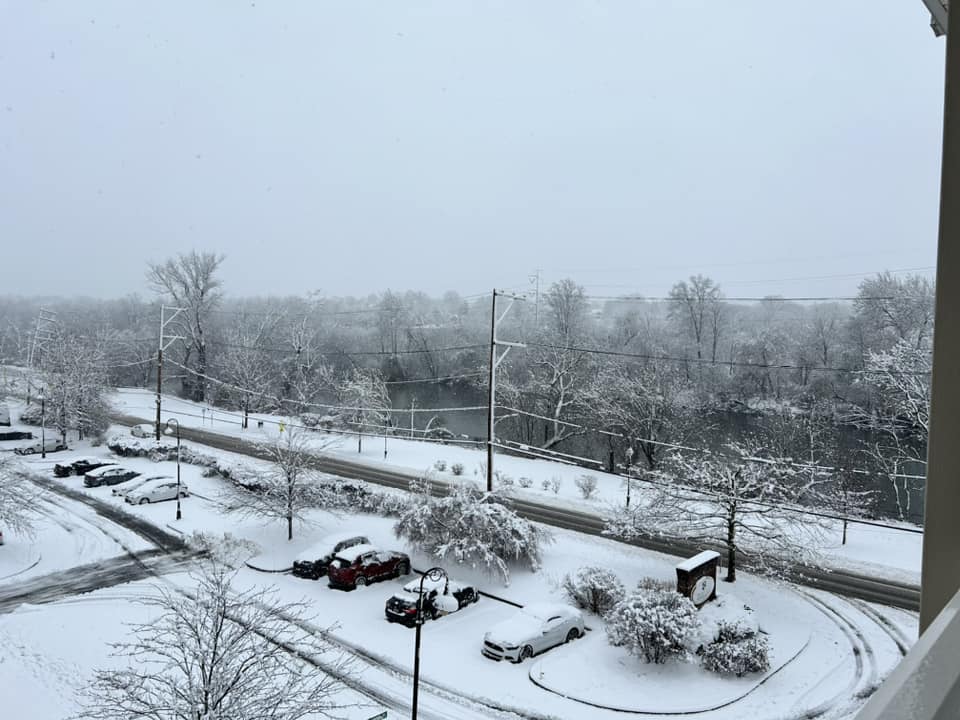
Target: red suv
x=361, y=564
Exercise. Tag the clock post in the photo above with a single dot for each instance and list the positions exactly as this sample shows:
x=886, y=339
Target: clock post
x=697, y=577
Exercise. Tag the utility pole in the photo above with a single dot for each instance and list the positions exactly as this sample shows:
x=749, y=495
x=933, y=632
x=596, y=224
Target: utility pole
x=413, y=405
x=492, y=385
x=535, y=278
x=165, y=342
x=42, y=333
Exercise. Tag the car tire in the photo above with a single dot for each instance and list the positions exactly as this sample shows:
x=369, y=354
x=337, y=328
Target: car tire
x=572, y=635
x=144, y=501
x=361, y=581
x=525, y=652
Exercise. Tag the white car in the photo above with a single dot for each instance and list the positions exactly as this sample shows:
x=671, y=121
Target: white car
x=123, y=488
x=156, y=491
x=51, y=444
x=144, y=430
x=532, y=630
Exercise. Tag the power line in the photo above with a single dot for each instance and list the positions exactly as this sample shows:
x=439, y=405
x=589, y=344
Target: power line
x=724, y=363
x=387, y=353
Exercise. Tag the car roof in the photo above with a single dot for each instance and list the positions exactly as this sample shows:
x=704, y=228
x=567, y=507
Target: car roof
x=428, y=584
x=352, y=553
x=87, y=459
x=545, y=611
x=326, y=545
x=107, y=468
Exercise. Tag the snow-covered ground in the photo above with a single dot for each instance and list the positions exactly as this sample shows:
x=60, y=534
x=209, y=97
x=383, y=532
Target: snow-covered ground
x=874, y=551
x=830, y=650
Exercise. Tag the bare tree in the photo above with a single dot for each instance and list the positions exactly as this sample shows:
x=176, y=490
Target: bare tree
x=216, y=653
x=290, y=489
x=75, y=380
x=566, y=306
x=696, y=307
x=897, y=309
x=366, y=393
x=190, y=281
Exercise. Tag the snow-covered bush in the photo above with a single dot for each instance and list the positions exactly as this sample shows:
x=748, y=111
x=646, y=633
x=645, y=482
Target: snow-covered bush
x=545, y=483
x=555, y=483
x=727, y=611
x=471, y=527
x=652, y=623
x=525, y=482
x=440, y=465
x=586, y=484
x=594, y=588
x=503, y=478
x=457, y=468
x=737, y=650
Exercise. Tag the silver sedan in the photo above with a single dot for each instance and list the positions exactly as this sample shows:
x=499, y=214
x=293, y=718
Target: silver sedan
x=532, y=630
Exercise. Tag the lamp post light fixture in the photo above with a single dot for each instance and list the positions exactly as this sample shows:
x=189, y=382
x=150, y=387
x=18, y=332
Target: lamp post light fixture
x=169, y=431
x=434, y=573
x=629, y=464
x=43, y=422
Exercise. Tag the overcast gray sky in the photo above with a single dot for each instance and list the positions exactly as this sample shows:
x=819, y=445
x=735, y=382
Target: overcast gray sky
x=354, y=146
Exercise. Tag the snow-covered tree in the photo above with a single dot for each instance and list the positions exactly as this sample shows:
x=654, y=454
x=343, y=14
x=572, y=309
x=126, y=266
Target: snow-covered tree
x=218, y=653
x=736, y=500
x=18, y=498
x=471, y=527
x=653, y=623
x=366, y=393
x=74, y=379
x=290, y=489
x=738, y=650
x=594, y=588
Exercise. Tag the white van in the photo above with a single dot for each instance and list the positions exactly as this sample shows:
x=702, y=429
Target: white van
x=51, y=444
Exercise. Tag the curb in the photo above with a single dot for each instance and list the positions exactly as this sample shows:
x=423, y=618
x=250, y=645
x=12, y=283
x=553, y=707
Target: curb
x=175, y=529
x=285, y=571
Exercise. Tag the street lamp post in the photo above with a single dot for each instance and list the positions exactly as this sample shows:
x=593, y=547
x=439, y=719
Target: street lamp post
x=434, y=573
x=629, y=463
x=43, y=423
x=169, y=430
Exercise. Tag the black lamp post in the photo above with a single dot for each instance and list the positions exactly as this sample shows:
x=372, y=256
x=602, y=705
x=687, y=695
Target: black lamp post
x=434, y=573
x=169, y=430
x=43, y=423
x=629, y=464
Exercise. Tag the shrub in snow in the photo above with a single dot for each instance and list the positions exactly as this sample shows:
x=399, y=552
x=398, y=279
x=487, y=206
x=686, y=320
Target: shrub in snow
x=555, y=483
x=594, y=588
x=652, y=623
x=457, y=468
x=440, y=465
x=738, y=650
x=471, y=527
x=587, y=484
x=503, y=478
x=727, y=611
x=545, y=483
x=525, y=482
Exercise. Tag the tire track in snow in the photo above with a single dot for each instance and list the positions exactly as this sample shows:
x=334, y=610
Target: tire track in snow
x=886, y=624
x=861, y=649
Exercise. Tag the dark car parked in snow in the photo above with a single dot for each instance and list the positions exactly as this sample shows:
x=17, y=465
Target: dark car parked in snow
x=362, y=564
x=109, y=475
x=80, y=466
x=312, y=563
x=440, y=597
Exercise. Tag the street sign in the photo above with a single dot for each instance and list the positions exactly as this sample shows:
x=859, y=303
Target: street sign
x=381, y=716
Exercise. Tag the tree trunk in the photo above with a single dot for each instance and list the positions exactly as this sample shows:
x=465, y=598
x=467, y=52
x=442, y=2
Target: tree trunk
x=731, y=551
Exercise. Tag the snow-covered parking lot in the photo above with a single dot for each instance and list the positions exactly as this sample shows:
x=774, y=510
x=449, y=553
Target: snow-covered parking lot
x=818, y=641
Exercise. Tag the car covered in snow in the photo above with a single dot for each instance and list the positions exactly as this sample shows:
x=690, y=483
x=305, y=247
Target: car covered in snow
x=361, y=564
x=108, y=475
x=4, y=415
x=532, y=630
x=312, y=563
x=80, y=466
x=156, y=491
x=123, y=488
x=144, y=430
x=48, y=444
x=440, y=597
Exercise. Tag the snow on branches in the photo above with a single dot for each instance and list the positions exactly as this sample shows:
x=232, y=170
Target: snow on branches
x=18, y=498
x=653, y=622
x=740, y=500
x=471, y=527
x=594, y=588
x=219, y=654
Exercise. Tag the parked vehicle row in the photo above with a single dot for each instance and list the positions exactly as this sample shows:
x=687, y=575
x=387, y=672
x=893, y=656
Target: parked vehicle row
x=132, y=486
x=80, y=466
x=312, y=563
